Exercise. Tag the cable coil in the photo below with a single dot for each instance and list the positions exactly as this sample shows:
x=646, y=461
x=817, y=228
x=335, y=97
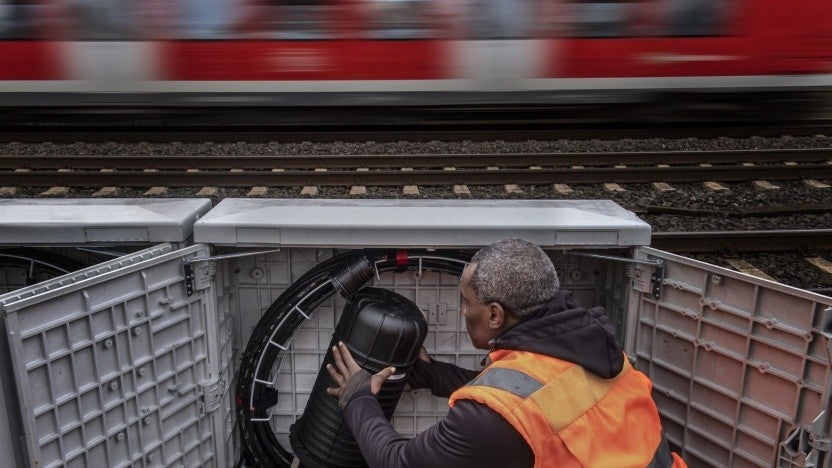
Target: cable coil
x=344, y=274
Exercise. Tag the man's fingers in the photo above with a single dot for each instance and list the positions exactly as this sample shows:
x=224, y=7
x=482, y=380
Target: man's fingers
x=339, y=361
x=348, y=360
x=379, y=378
x=385, y=373
x=423, y=354
x=336, y=392
x=336, y=376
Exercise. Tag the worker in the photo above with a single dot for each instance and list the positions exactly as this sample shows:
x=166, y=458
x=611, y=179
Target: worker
x=556, y=390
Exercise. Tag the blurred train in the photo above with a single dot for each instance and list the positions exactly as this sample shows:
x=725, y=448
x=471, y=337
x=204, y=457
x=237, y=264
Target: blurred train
x=407, y=52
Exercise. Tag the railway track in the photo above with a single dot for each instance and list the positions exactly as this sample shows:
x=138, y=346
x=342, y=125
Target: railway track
x=416, y=177
x=217, y=176
x=381, y=161
x=446, y=169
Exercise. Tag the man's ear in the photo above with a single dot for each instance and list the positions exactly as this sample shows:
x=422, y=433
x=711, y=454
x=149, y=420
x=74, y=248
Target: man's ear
x=496, y=316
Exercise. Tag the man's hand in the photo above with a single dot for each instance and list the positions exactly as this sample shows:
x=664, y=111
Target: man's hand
x=350, y=376
x=419, y=375
x=423, y=355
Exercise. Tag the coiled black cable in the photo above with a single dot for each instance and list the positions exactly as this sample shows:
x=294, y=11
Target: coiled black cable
x=346, y=274
x=37, y=265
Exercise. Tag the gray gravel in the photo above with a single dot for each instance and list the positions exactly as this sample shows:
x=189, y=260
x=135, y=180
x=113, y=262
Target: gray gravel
x=405, y=147
x=667, y=223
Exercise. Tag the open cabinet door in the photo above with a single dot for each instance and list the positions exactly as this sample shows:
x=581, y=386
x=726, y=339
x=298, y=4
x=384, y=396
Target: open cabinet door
x=119, y=364
x=737, y=362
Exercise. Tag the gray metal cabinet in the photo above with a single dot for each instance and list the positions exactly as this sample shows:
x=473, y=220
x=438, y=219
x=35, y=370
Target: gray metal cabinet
x=131, y=362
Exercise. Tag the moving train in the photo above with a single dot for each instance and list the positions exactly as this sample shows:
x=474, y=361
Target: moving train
x=190, y=53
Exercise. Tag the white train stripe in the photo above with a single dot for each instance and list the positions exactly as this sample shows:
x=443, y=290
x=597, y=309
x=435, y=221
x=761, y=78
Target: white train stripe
x=773, y=82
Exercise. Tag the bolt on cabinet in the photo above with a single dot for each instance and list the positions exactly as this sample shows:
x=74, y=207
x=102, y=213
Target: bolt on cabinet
x=134, y=361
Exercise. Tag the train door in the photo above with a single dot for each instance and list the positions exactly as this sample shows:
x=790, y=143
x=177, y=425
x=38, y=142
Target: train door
x=737, y=362
x=253, y=40
x=312, y=45
x=654, y=38
x=105, y=42
x=400, y=40
x=499, y=50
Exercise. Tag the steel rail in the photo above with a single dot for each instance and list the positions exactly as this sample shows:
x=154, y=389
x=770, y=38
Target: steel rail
x=743, y=241
x=412, y=160
x=416, y=177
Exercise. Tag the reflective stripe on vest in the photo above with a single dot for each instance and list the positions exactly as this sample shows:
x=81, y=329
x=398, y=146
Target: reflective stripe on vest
x=570, y=417
x=508, y=380
x=565, y=398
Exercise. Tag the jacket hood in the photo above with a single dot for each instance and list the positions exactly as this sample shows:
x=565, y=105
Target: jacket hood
x=564, y=330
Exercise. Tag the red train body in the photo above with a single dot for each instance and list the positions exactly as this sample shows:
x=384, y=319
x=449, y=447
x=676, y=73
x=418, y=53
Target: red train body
x=440, y=50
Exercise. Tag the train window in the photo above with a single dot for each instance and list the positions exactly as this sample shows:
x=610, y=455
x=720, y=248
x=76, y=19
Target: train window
x=257, y=19
x=601, y=19
x=697, y=17
x=285, y=19
x=399, y=19
x=69, y=19
x=301, y=19
x=642, y=18
x=101, y=20
x=501, y=19
x=15, y=20
x=213, y=19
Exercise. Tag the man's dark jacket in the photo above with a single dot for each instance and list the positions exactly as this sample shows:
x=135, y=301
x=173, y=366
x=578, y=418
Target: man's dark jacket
x=472, y=434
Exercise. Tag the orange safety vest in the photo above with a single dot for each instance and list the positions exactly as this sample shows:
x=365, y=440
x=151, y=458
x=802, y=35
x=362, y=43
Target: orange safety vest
x=571, y=417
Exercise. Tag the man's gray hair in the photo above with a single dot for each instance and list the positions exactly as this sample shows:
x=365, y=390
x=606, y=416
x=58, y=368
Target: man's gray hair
x=516, y=274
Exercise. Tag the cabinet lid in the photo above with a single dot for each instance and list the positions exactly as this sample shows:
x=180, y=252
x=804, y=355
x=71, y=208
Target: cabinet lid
x=95, y=221
x=420, y=223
